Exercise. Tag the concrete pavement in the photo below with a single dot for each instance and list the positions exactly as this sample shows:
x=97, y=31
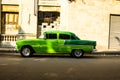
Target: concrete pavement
x=14, y=67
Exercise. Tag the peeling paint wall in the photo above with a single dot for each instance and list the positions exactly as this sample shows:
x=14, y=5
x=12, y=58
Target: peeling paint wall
x=10, y=1
x=89, y=19
x=28, y=18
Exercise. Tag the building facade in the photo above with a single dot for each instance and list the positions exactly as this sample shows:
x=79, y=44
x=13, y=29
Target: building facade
x=97, y=20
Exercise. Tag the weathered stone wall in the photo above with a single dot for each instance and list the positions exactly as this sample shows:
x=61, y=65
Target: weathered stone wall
x=10, y=1
x=89, y=19
x=28, y=17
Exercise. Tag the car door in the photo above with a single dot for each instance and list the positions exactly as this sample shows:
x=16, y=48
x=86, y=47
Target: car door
x=61, y=43
x=51, y=44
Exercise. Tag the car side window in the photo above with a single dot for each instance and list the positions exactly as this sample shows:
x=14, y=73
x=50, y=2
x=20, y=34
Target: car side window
x=64, y=36
x=73, y=38
x=51, y=36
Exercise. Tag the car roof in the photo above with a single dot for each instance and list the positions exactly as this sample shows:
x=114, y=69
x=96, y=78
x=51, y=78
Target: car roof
x=60, y=32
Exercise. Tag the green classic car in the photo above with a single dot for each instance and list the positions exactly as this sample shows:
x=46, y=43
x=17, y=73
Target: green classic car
x=56, y=42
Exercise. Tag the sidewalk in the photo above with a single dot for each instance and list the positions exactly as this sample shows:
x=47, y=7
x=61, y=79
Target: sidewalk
x=115, y=53
x=8, y=50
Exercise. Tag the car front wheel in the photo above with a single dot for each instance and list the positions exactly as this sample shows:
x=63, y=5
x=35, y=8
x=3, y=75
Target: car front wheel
x=77, y=53
x=26, y=52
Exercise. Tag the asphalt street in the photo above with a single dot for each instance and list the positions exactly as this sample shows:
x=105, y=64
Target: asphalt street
x=90, y=67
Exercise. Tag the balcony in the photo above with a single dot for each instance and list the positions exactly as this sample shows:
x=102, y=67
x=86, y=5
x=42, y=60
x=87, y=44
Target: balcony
x=7, y=41
x=10, y=38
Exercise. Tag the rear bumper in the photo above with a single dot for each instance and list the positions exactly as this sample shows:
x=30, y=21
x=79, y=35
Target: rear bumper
x=94, y=50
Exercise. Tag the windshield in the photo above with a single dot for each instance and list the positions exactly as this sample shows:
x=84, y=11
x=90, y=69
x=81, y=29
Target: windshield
x=77, y=37
x=74, y=37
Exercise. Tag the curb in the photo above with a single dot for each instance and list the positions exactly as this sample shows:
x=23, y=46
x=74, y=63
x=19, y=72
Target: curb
x=107, y=53
x=8, y=50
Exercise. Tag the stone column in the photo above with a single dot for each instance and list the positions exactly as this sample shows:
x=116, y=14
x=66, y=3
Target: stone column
x=28, y=18
x=0, y=20
x=64, y=14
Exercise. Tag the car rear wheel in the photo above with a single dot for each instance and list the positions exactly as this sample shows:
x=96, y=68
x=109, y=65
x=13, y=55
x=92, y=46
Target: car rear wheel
x=77, y=53
x=26, y=52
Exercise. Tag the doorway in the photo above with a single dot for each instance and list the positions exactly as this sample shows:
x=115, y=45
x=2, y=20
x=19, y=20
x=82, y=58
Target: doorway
x=114, y=39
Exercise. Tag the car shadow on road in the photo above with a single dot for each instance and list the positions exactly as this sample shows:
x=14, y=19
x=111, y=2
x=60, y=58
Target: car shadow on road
x=86, y=56
x=70, y=57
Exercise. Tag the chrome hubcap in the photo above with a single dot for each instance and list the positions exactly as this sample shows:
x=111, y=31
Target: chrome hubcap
x=78, y=53
x=26, y=51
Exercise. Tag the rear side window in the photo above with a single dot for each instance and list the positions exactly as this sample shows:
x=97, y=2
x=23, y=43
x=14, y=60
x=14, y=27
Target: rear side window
x=51, y=36
x=64, y=36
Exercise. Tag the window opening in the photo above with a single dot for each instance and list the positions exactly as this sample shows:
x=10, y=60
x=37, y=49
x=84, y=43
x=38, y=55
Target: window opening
x=51, y=36
x=47, y=17
x=64, y=36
